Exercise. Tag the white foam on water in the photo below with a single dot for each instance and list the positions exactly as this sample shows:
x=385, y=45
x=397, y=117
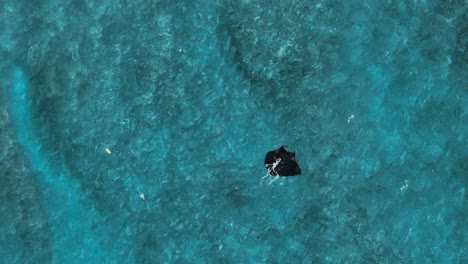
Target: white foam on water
x=271, y=180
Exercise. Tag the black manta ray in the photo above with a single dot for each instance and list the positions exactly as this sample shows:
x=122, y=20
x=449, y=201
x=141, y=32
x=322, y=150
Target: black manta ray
x=281, y=162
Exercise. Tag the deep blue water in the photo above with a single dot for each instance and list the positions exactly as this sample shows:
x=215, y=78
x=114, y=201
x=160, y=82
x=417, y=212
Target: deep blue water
x=135, y=131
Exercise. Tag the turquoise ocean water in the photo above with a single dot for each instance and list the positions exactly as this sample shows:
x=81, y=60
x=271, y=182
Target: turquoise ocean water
x=135, y=131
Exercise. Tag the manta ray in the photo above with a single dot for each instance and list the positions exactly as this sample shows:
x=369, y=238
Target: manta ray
x=281, y=162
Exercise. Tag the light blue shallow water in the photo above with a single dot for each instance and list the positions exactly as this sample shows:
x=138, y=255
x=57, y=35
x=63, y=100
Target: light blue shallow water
x=135, y=131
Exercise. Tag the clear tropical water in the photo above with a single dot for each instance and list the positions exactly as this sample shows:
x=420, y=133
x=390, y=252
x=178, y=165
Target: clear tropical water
x=135, y=131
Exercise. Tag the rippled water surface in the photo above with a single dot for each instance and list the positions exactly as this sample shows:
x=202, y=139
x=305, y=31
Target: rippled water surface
x=135, y=131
